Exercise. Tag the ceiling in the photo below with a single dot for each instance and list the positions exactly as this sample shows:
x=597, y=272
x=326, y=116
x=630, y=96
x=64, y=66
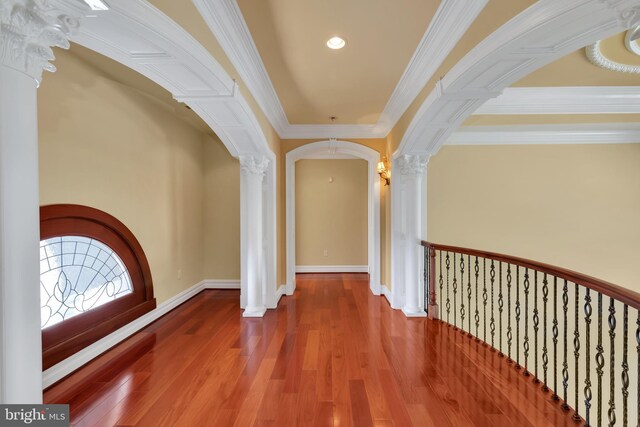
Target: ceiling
x=357, y=84
x=354, y=84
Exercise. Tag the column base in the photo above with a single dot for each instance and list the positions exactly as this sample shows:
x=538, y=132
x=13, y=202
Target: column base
x=412, y=312
x=254, y=312
x=433, y=311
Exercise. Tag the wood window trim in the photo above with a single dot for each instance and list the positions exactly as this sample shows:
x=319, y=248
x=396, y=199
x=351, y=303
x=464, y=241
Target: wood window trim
x=72, y=335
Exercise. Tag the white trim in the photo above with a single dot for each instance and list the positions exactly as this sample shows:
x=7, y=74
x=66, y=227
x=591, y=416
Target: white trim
x=141, y=37
x=595, y=55
x=545, y=31
x=84, y=356
x=338, y=148
x=591, y=133
x=221, y=284
x=564, y=100
x=450, y=22
x=386, y=292
x=332, y=268
x=282, y=290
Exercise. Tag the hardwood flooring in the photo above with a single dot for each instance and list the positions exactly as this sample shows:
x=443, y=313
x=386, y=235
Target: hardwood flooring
x=331, y=355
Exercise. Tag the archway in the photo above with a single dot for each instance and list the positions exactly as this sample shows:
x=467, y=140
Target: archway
x=333, y=149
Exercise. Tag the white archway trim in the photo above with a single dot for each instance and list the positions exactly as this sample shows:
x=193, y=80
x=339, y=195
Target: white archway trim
x=544, y=32
x=138, y=35
x=333, y=149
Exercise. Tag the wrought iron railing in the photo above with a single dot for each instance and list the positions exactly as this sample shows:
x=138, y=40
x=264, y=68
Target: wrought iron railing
x=540, y=318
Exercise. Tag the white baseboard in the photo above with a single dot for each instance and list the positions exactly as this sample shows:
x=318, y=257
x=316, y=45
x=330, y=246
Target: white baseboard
x=386, y=292
x=282, y=290
x=221, y=284
x=84, y=356
x=332, y=268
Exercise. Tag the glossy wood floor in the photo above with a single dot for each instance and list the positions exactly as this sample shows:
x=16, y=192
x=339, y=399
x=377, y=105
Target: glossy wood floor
x=333, y=354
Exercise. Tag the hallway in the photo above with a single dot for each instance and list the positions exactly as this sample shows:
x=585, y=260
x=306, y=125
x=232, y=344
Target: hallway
x=333, y=354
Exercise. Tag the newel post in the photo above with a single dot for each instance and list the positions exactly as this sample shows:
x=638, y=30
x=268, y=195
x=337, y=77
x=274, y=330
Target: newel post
x=433, y=310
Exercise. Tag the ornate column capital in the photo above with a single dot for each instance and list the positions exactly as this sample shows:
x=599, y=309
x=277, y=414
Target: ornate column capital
x=29, y=28
x=254, y=164
x=412, y=164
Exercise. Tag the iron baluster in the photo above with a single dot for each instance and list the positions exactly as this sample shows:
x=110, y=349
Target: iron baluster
x=440, y=281
x=509, y=331
x=565, y=364
x=536, y=325
x=500, y=308
x=447, y=263
x=545, y=355
x=477, y=317
x=625, y=365
x=576, y=350
x=612, y=381
x=425, y=276
x=462, y=313
x=638, y=370
x=526, y=322
x=517, y=316
x=484, y=299
x=555, y=339
x=469, y=290
x=492, y=323
x=587, y=379
x=599, y=359
x=455, y=292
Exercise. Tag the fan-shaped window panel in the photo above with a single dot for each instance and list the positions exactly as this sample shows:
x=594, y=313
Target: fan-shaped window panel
x=94, y=278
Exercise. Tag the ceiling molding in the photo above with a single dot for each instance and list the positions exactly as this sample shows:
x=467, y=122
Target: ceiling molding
x=225, y=20
x=141, y=37
x=598, y=133
x=597, y=58
x=564, y=100
x=451, y=21
x=544, y=32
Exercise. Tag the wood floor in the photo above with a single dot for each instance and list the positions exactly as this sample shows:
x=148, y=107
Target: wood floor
x=333, y=354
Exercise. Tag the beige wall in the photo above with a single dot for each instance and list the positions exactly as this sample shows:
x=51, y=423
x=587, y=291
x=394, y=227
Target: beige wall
x=221, y=213
x=286, y=145
x=573, y=206
x=331, y=212
x=106, y=146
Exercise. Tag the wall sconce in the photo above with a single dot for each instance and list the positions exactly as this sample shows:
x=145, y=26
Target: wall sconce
x=384, y=172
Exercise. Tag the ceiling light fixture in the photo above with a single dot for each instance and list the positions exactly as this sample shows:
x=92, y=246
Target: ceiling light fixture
x=97, y=4
x=336, y=42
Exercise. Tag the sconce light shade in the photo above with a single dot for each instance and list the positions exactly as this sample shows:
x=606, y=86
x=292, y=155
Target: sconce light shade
x=384, y=172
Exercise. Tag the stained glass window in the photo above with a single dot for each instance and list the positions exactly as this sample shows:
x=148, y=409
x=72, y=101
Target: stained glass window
x=78, y=274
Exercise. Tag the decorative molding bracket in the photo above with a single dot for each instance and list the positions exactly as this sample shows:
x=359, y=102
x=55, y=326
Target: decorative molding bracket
x=30, y=28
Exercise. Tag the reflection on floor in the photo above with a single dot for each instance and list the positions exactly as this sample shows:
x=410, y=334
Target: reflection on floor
x=332, y=354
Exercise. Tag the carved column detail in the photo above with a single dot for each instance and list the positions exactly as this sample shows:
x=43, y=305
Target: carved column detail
x=254, y=165
x=29, y=28
x=412, y=164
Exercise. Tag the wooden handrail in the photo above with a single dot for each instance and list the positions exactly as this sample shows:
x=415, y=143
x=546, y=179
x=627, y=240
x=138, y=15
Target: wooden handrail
x=626, y=296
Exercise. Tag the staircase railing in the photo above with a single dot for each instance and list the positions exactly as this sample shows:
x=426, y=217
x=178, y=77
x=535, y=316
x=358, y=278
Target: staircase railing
x=559, y=327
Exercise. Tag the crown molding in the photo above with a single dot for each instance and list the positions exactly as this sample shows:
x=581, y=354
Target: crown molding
x=225, y=20
x=591, y=133
x=545, y=31
x=565, y=100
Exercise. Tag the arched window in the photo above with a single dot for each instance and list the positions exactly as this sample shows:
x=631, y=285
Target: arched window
x=94, y=278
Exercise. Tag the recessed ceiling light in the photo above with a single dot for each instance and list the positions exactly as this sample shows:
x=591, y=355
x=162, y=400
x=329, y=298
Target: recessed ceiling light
x=97, y=4
x=336, y=42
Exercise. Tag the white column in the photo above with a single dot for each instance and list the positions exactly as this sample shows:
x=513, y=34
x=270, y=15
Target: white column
x=27, y=29
x=412, y=169
x=253, y=168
